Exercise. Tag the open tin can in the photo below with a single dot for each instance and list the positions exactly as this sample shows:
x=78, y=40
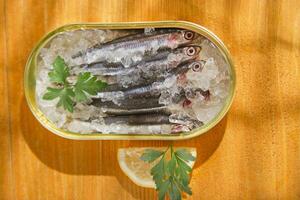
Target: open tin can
x=31, y=70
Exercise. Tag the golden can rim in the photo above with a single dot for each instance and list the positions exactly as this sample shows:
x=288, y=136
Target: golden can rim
x=30, y=81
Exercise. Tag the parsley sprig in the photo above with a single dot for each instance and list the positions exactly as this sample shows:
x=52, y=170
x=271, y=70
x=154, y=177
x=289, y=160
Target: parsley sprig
x=68, y=94
x=171, y=176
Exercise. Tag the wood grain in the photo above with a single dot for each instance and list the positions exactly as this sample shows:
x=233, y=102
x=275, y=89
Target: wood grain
x=5, y=138
x=253, y=153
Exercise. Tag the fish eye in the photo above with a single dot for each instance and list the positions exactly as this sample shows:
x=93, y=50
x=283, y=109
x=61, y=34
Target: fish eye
x=191, y=51
x=189, y=35
x=197, y=67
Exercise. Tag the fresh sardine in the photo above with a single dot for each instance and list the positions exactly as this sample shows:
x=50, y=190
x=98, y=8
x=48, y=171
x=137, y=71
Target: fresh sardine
x=147, y=68
x=149, y=44
x=143, y=119
x=131, y=37
x=163, y=53
x=155, y=118
x=150, y=90
x=137, y=103
x=116, y=111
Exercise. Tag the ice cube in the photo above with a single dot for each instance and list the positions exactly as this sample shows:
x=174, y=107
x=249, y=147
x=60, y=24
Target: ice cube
x=78, y=126
x=86, y=112
x=115, y=96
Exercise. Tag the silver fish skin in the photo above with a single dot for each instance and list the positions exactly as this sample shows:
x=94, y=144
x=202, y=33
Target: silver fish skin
x=134, y=92
x=143, y=119
x=114, y=111
x=156, y=66
x=129, y=37
x=151, y=77
x=137, y=103
x=98, y=68
x=147, y=44
x=150, y=90
x=154, y=118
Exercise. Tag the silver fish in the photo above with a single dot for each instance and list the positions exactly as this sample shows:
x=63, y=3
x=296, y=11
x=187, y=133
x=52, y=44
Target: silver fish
x=116, y=111
x=138, y=119
x=113, y=52
x=146, y=77
x=137, y=103
x=151, y=90
x=156, y=66
x=163, y=53
x=129, y=37
x=154, y=118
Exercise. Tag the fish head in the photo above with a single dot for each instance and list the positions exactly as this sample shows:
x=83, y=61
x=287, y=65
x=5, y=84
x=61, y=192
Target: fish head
x=189, y=35
x=197, y=65
x=191, y=51
x=188, y=66
x=183, y=37
x=187, y=53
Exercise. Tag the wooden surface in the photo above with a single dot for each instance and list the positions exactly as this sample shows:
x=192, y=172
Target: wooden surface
x=253, y=153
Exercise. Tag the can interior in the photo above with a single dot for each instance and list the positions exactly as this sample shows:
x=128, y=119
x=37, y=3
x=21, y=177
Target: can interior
x=31, y=68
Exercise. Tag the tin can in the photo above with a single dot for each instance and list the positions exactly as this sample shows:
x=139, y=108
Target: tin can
x=31, y=69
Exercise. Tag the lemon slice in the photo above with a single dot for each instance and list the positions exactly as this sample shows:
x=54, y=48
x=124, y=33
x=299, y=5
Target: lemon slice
x=139, y=171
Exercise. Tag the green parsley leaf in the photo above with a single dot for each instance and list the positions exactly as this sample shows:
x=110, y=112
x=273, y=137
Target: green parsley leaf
x=163, y=190
x=171, y=165
x=69, y=94
x=171, y=176
x=52, y=93
x=183, y=187
x=150, y=155
x=175, y=193
x=86, y=83
x=184, y=155
x=158, y=173
x=66, y=100
x=183, y=165
x=182, y=172
x=60, y=71
x=65, y=97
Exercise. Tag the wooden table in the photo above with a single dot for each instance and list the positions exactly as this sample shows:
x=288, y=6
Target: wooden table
x=253, y=153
